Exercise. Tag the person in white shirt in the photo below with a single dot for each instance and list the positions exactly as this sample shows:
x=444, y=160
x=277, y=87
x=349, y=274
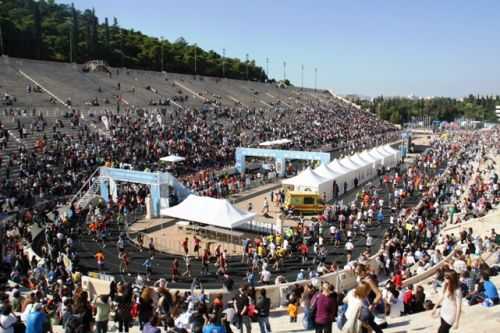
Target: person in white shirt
x=7, y=319
x=459, y=266
x=354, y=300
x=265, y=276
x=451, y=303
x=369, y=241
x=349, y=246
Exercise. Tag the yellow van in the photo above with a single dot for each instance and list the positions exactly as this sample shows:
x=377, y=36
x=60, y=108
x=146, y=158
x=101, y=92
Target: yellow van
x=304, y=202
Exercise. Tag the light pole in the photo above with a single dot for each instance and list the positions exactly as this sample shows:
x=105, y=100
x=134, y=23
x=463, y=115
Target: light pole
x=223, y=60
x=267, y=68
x=71, y=46
x=195, y=59
x=1, y=41
x=284, y=71
x=315, y=78
x=70, y=34
x=301, y=77
x=162, y=54
x=247, y=64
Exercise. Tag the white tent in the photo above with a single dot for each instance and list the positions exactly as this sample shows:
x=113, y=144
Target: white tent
x=396, y=152
x=345, y=172
x=379, y=158
x=172, y=159
x=325, y=171
x=309, y=181
x=357, y=170
x=389, y=157
x=275, y=142
x=366, y=167
x=210, y=211
x=377, y=161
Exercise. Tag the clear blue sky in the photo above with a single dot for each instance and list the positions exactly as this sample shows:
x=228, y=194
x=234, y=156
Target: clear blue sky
x=371, y=47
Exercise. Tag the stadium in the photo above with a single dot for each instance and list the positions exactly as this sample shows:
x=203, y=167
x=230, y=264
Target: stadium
x=153, y=186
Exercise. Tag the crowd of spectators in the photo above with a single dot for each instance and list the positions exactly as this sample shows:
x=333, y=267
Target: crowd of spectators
x=412, y=243
x=138, y=138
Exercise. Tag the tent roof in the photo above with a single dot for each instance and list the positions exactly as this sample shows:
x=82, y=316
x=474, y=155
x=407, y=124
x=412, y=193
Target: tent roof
x=172, y=158
x=211, y=211
x=375, y=153
x=275, y=142
x=383, y=152
x=370, y=157
x=324, y=171
x=388, y=148
x=337, y=167
x=359, y=160
x=350, y=164
x=306, y=177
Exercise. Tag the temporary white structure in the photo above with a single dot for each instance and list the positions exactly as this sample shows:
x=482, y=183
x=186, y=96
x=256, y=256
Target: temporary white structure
x=377, y=161
x=210, y=211
x=275, y=142
x=309, y=181
x=366, y=167
x=172, y=159
x=389, y=157
x=325, y=171
x=357, y=170
x=396, y=152
x=347, y=174
x=379, y=158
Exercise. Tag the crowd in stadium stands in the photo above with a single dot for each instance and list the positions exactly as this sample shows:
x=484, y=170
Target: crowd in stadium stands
x=139, y=138
x=412, y=244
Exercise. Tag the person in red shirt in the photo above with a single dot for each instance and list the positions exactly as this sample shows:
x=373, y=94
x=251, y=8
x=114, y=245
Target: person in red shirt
x=397, y=279
x=304, y=251
x=197, y=242
x=408, y=300
x=175, y=269
x=185, y=246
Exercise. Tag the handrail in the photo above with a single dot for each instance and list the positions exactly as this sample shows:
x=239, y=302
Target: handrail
x=83, y=186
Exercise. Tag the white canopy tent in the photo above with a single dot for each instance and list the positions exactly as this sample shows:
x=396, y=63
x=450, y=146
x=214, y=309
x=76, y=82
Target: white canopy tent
x=172, y=159
x=275, y=142
x=357, y=170
x=324, y=171
x=377, y=161
x=209, y=211
x=345, y=172
x=396, y=152
x=309, y=181
x=389, y=157
x=367, y=168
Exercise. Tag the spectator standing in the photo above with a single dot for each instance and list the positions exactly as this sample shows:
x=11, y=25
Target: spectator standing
x=451, y=303
x=263, y=306
x=326, y=309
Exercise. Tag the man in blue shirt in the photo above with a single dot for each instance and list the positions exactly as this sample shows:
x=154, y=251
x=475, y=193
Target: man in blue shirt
x=213, y=326
x=490, y=290
x=37, y=320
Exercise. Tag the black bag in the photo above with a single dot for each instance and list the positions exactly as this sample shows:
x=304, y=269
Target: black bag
x=19, y=327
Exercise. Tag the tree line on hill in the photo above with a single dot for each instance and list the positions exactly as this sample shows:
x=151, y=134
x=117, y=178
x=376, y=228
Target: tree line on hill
x=48, y=31
x=400, y=110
